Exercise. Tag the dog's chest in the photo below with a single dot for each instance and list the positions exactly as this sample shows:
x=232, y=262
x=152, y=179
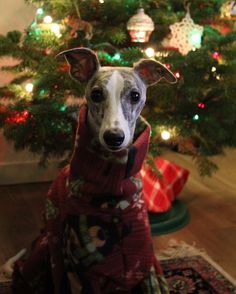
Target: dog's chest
x=104, y=234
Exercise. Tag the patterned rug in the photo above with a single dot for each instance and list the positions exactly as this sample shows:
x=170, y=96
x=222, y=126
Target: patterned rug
x=195, y=275
x=188, y=271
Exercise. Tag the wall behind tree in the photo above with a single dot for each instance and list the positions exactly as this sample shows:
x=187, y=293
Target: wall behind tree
x=15, y=15
x=18, y=167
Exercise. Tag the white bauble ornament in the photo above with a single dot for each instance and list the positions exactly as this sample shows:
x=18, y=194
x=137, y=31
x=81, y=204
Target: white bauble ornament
x=140, y=27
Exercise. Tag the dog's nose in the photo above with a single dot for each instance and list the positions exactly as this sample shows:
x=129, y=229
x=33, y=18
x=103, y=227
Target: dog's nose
x=114, y=137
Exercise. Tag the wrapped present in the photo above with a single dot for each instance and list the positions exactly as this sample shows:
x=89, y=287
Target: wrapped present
x=160, y=191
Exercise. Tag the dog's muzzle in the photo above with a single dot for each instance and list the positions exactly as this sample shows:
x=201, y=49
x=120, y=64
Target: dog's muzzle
x=114, y=138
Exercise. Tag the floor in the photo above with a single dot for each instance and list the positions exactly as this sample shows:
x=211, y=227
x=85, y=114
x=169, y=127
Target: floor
x=211, y=202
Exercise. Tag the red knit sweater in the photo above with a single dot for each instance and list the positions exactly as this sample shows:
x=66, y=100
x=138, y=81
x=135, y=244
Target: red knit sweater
x=97, y=229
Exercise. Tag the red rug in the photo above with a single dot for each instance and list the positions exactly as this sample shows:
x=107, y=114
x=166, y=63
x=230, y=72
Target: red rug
x=189, y=270
x=195, y=275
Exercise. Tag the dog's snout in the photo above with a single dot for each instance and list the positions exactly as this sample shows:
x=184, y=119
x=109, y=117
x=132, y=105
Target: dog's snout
x=114, y=137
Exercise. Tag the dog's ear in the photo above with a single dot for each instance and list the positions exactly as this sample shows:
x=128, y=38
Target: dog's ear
x=151, y=72
x=83, y=63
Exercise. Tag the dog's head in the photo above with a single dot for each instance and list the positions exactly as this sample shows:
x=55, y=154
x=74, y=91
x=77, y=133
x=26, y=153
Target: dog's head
x=115, y=95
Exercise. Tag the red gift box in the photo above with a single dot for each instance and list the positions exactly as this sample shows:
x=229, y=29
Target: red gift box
x=160, y=191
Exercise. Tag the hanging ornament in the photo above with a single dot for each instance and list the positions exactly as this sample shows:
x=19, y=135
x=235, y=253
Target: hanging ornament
x=186, y=35
x=228, y=10
x=140, y=27
x=77, y=24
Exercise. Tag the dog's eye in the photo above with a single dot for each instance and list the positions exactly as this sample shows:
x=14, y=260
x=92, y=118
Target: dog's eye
x=96, y=96
x=135, y=97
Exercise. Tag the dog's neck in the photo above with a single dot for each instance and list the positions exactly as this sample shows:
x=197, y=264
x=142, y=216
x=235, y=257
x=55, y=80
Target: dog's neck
x=89, y=155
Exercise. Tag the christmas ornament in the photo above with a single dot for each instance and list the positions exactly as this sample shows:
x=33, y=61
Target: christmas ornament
x=77, y=24
x=140, y=27
x=186, y=35
x=228, y=10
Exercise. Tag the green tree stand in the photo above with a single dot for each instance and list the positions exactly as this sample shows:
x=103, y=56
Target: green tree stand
x=167, y=222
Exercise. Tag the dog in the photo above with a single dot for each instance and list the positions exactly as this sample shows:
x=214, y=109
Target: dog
x=97, y=236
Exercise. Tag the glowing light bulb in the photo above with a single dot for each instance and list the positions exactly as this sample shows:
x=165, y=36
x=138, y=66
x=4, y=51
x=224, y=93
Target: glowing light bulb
x=215, y=55
x=196, y=38
x=177, y=74
x=55, y=28
x=165, y=135
x=167, y=65
x=29, y=87
x=40, y=11
x=201, y=105
x=150, y=52
x=213, y=69
x=218, y=77
x=101, y=1
x=196, y=117
x=47, y=19
x=116, y=56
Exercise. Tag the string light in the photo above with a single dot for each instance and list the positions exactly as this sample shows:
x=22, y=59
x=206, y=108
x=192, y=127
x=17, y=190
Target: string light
x=63, y=108
x=47, y=19
x=55, y=28
x=162, y=54
x=150, y=52
x=19, y=117
x=196, y=117
x=101, y=1
x=40, y=11
x=116, y=56
x=218, y=77
x=165, y=135
x=29, y=87
x=213, y=69
x=167, y=65
x=177, y=74
x=216, y=55
x=196, y=38
x=201, y=105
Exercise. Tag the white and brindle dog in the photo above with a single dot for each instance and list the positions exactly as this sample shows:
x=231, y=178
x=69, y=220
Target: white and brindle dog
x=115, y=98
x=115, y=95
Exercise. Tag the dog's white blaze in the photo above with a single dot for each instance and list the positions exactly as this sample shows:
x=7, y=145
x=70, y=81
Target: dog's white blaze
x=113, y=112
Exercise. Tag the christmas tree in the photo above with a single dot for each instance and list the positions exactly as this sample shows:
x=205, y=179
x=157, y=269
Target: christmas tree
x=195, y=39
